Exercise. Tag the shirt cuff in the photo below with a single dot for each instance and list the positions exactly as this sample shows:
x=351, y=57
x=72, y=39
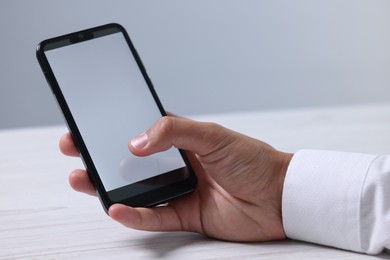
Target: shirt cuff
x=322, y=196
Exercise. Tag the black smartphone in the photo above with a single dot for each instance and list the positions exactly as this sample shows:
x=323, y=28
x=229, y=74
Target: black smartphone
x=107, y=98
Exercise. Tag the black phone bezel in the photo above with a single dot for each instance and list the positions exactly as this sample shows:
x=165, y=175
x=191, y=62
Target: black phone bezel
x=148, y=199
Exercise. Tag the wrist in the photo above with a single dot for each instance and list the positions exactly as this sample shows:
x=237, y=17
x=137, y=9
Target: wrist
x=283, y=162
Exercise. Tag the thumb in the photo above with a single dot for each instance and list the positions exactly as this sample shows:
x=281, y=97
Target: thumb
x=197, y=137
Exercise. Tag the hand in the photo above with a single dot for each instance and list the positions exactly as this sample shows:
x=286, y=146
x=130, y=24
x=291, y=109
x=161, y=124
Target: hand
x=240, y=182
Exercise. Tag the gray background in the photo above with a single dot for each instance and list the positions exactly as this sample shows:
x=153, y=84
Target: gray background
x=211, y=56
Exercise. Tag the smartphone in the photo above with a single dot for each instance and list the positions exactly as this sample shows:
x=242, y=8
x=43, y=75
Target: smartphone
x=107, y=98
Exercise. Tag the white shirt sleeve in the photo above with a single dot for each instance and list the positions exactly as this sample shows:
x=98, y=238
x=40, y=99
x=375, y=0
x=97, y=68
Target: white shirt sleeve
x=338, y=199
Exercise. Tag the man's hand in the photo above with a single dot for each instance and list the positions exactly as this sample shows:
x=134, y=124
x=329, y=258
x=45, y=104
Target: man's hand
x=240, y=182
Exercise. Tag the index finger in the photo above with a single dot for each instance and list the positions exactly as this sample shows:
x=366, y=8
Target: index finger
x=67, y=145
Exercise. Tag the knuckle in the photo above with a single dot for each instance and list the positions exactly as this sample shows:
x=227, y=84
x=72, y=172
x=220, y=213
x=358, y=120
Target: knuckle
x=165, y=125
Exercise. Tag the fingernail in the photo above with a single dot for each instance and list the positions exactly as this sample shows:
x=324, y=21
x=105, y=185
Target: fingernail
x=140, y=141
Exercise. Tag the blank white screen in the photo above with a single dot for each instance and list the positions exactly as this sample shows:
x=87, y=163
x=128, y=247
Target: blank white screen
x=111, y=103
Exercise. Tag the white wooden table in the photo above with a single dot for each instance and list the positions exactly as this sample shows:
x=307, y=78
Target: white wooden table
x=42, y=218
